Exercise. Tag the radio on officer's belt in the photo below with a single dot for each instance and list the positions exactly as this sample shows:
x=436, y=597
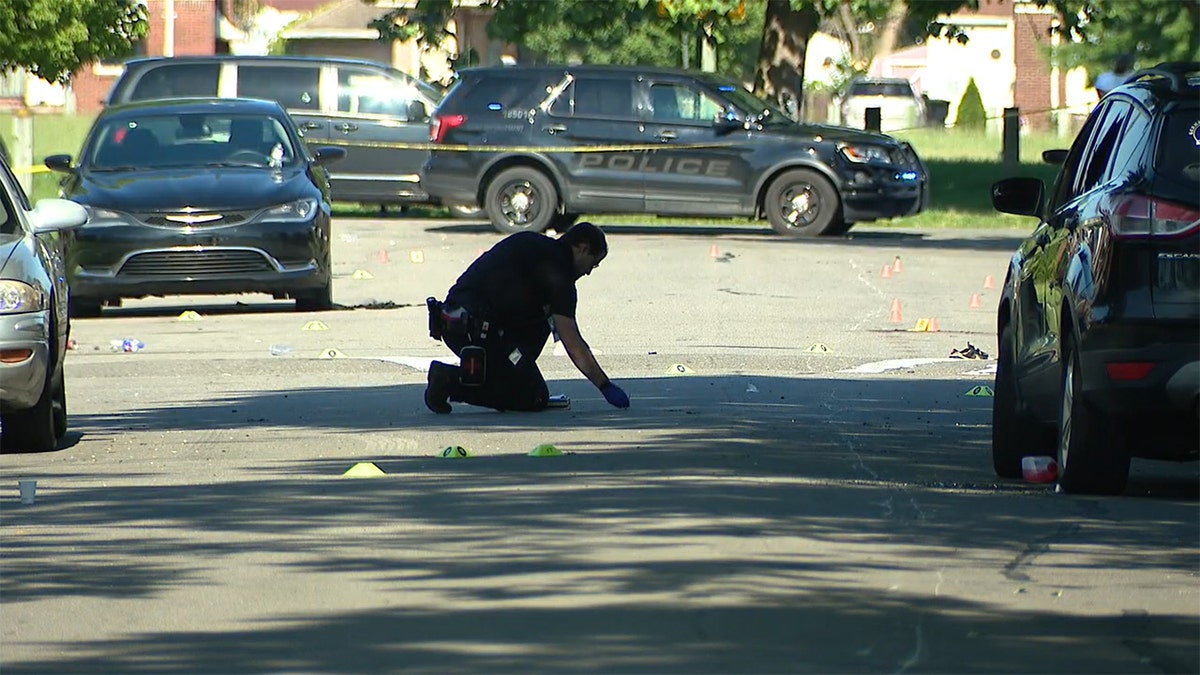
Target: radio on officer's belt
x=435, y=323
x=473, y=370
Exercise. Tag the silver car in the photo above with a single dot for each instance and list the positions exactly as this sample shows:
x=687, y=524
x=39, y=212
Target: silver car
x=34, y=327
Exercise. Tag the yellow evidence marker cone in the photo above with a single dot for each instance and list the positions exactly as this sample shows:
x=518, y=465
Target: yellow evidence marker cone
x=980, y=391
x=679, y=369
x=190, y=315
x=454, y=452
x=331, y=354
x=545, y=450
x=362, y=274
x=314, y=325
x=818, y=347
x=364, y=470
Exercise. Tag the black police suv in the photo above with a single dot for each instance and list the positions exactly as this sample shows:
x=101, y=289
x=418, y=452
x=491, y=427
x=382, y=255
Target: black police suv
x=198, y=196
x=1099, y=319
x=537, y=146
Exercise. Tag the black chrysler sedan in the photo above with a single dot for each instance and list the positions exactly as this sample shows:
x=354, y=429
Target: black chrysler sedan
x=198, y=196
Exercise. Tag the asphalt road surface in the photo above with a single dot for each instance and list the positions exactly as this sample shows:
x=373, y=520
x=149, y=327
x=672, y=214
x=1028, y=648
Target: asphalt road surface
x=801, y=485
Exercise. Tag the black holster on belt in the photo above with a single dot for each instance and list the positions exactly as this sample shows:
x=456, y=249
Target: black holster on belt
x=451, y=320
x=435, y=317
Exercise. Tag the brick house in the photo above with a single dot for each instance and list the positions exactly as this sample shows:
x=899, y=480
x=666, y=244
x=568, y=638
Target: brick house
x=193, y=32
x=1007, y=57
x=341, y=28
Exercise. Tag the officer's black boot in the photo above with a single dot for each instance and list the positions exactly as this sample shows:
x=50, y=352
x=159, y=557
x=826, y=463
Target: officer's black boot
x=443, y=381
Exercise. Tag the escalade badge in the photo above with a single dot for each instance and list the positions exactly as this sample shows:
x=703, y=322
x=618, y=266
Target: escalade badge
x=193, y=218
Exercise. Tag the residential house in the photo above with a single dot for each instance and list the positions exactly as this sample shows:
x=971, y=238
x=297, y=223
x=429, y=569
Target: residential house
x=1007, y=55
x=341, y=28
x=176, y=28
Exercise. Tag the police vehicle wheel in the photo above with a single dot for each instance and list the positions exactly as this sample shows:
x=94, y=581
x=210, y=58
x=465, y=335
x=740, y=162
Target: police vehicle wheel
x=802, y=203
x=521, y=199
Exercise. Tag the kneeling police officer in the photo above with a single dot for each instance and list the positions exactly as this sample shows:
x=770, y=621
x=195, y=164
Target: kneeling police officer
x=497, y=317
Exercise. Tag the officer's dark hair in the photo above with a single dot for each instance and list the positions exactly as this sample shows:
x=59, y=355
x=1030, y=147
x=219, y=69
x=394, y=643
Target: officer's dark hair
x=588, y=234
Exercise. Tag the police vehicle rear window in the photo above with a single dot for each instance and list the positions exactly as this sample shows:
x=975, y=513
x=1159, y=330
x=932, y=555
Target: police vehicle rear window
x=477, y=93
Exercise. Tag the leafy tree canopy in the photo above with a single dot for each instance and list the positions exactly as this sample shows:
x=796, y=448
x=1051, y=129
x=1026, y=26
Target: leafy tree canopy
x=54, y=38
x=766, y=40
x=1152, y=31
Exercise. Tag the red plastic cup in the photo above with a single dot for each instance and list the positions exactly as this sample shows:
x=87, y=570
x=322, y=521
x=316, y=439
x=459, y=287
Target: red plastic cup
x=1039, y=469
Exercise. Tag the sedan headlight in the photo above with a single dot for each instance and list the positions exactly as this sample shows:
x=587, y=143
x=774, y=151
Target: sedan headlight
x=299, y=210
x=17, y=297
x=865, y=154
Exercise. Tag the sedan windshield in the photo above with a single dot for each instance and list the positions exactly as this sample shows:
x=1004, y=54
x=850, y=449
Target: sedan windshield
x=157, y=141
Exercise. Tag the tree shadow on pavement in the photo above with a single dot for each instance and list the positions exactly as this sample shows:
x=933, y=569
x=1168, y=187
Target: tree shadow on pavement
x=806, y=525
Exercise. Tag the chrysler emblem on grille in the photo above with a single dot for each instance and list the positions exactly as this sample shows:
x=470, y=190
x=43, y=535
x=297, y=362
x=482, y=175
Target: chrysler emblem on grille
x=193, y=218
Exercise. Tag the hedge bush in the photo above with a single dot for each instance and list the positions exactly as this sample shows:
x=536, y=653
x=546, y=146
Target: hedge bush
x=971, y=114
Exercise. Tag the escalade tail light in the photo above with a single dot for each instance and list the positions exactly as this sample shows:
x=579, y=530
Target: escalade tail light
x=1141, y=216
x=443, y=123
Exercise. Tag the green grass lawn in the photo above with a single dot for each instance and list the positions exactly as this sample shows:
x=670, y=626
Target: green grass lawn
x=962, y=167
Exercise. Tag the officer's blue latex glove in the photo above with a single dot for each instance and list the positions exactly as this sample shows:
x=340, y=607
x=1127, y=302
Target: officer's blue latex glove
x=615, y=395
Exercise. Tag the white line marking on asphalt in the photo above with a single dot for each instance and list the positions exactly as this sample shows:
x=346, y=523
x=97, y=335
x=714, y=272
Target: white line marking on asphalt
x=876, y=367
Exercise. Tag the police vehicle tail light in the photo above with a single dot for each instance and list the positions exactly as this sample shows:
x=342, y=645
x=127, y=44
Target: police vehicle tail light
x=1138, y=216
x=443, y=123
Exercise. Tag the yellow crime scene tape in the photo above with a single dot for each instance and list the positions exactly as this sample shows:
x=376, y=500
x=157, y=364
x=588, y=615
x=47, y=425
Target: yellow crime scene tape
x=453, y=147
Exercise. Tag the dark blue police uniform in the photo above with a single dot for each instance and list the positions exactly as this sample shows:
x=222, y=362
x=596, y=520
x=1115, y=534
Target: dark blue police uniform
x=509, y=294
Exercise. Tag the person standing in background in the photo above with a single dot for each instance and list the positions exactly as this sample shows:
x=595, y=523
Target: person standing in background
x=1111, y=79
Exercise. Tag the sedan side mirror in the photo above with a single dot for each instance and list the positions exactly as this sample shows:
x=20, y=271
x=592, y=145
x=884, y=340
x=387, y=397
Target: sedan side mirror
x=51, y=215
x=1019, y=196
x=327, y=155
x=59, y=163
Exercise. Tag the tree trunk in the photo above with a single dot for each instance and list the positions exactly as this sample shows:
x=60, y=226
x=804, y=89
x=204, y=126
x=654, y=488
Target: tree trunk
x=889, y=32
x=780, y=73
